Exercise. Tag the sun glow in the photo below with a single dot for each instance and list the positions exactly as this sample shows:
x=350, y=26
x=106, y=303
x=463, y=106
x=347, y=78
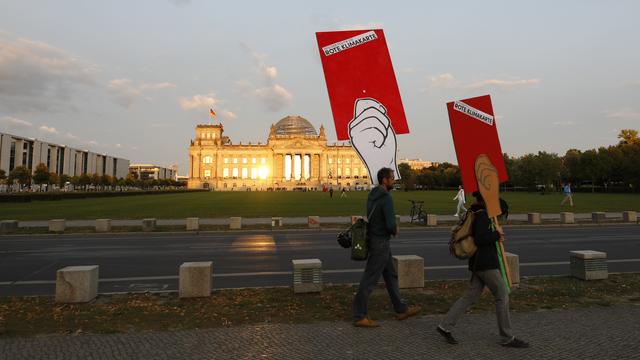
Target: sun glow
x=263, y=172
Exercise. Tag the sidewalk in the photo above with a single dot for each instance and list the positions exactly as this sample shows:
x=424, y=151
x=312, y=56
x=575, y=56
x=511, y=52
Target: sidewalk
x=294, y=220
x=593, y=333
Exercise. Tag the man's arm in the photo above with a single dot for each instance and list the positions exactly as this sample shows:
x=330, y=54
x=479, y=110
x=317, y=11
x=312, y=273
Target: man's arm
x=389, y=215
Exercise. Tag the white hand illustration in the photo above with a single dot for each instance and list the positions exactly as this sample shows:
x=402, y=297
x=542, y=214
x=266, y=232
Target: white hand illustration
x=373, y=137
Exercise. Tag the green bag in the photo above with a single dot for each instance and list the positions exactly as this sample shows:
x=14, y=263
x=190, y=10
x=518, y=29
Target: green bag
x=359, y=239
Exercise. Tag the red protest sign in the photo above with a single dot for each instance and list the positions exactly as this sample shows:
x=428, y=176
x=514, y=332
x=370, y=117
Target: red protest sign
x=474, y=131
x=357, y=65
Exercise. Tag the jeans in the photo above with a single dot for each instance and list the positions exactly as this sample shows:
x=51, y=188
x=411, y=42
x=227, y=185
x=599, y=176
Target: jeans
x=379, y=263
x=493, y=280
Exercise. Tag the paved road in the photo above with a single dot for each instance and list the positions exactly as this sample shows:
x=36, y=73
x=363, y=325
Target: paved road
x=597, y=333
x=139, y=261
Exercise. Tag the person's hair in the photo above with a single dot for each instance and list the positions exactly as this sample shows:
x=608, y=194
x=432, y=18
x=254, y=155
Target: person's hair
x=478, y=196
x=384, y=173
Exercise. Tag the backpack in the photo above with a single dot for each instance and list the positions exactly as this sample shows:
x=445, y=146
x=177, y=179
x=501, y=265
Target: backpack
x=461, y=244
x=355, y=237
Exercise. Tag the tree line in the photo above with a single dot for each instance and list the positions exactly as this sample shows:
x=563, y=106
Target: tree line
x=611, y=168
x=42, y=176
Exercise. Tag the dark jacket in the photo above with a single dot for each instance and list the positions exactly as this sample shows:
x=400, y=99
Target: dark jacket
x=486, y=258
x=382, y=223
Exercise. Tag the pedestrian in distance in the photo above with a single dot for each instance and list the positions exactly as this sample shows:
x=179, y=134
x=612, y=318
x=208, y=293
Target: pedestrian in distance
x=566, y=190
x=343, y=193
x=461, y=201
x=485, y=272
x=381, y=226
x=331, y=192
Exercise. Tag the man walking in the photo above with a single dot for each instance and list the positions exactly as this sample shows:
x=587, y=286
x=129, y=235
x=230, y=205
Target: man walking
x=566, y=190
x=461, y=200
x=343, y=193
x=331, y=192
x=484, y=266
x=382, y=224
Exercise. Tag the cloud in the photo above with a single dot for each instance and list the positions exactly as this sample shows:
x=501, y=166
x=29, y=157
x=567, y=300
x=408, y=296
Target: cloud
x=503, y=84
x=448, y=81
x=564, y=123
x=272, y=94
x=126, y=92
x=226, y=114
x=200, y=102
x=180, y=3
x=13, y=123
x=274, y=97
x=35, y=76
x=270, y=72
x=48, y=130
x=623, y=114
x=362, y=26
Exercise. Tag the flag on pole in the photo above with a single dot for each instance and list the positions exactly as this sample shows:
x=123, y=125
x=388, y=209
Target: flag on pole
x=212, y=113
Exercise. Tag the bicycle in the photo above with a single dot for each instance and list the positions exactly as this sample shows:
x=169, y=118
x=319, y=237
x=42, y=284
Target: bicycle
x=417, y=214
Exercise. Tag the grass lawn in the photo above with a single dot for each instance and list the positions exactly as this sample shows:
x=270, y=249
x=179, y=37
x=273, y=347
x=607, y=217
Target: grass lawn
x=126, y=313
x=267, y=204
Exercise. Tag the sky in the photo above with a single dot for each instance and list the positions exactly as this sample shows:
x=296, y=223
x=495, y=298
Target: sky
x=133, y=78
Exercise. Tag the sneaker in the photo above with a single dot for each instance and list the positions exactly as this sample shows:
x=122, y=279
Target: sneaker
x=456, y=215
x=411, y=311
x=447, y=335
x=516, y=343
x=366, y=323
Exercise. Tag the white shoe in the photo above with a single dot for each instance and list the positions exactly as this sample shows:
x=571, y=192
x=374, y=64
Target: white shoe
x=456, y=215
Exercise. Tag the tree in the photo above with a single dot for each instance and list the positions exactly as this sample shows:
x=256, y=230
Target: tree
x=106, y=180
x=20, y=174
x=407, y=178
x=548, y=166
x=54, y=179
x=130, y=180
x=41, y=175
x=571, y=166
x=628, y=137
x=64, y=179
x=95, y=179
x=84, y=180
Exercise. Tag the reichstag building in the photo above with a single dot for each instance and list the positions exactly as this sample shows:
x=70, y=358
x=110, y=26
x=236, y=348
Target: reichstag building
x=295, y=157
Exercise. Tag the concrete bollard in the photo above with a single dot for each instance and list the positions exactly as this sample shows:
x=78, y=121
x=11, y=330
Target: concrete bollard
x=235, y=223
x=148, y=224
x=103, y=225
x=355, y=218
x=307, y=275
x=57, y=225
x=313, y=221
x=513, y=261
x=195, y=279
x=630, y=216
x=432, y=220
x=8, y=226
x=193, y=224
x=567, y=218
x=534, y=218
x=276, y=221
x=598, y=217
x=588, y=264
x=77, y=284
x=410, y=269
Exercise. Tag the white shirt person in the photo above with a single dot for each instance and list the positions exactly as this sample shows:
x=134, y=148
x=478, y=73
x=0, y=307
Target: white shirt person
x=461, y=201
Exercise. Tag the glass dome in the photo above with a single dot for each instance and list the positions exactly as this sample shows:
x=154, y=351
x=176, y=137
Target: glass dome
x=295, y=125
